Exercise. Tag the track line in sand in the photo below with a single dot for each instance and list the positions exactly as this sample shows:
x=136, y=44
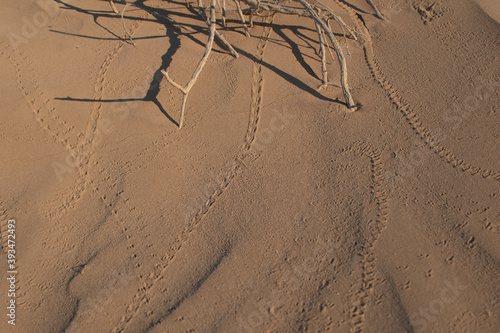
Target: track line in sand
x=417, y=125
x=143, y=294
x=404, y=107
x=47, y=118
x=40, y=105
x=92, y=125
x=375, y=229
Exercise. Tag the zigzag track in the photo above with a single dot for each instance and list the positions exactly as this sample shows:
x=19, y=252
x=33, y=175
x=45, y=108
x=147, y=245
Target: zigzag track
x=368, y=256
x=143, y=294
x=404, y=107
x=49, y=121
x=417, y=125
x=92, y=125
x=375, y=229
x=39, y=104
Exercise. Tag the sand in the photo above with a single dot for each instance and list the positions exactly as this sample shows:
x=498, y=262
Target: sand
x=274, y=209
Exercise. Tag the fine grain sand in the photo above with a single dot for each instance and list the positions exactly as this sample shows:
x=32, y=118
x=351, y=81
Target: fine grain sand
x=273, y=209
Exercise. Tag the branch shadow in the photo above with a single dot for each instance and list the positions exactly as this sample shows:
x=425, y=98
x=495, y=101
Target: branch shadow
x=295, y=48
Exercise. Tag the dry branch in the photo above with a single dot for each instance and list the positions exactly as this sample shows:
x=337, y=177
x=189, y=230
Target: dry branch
x=338, y=50
x=229, y=47
x=223, y=13
x=199, y=68
x=242, y=18
x=324, y=71
x=113, y=6
x=318, y=12
x=377, y=12
x=123, y=22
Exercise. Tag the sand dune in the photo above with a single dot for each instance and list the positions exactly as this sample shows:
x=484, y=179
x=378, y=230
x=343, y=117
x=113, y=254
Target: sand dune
x=275, y=208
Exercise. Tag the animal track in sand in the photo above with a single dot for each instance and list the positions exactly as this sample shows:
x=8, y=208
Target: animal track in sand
x=404, y=107
x=92, y=126
x=143, y=294
x=375, y=229
x=49, y=121
x=40, y=105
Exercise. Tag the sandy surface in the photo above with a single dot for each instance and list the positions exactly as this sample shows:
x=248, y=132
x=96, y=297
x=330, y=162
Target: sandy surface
x=273, y=209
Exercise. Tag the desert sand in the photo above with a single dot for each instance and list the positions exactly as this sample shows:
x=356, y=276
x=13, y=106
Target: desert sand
x=275, y=208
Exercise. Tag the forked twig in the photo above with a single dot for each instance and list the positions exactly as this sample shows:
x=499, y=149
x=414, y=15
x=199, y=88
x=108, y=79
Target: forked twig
x=320, y=13
x=229, y=47
x=208, y=48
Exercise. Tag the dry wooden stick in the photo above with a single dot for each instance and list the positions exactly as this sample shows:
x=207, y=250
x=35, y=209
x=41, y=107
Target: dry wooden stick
x=240, y=13
x=345, y=38
x=323, y=47
x=324, y=71
x=340, y=21
x=224, y=13
x=377, y=12
x=328, y=47
x=113, y=6
x=338, y=50
x=219, y=37
x=229, y=47
x=208, y=48
x=123, y=22
x=222, y=10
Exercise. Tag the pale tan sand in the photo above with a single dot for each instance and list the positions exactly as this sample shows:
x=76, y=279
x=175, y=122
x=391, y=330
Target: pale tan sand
x=382, y=220
x=491, y=7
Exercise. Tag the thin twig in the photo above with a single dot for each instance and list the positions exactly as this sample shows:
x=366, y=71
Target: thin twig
x=377, y=12
x=199, y=68
x=328, y=46
x=123, y=22
x=324, y=71
x=229, y=47
x=240, y=13
x=224, y=13
x=113, y=7
x=338, y=50
x=340, y=21
x=345, y=38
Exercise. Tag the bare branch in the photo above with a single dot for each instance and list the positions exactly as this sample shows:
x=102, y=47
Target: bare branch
x=113, y=7
x=377, y=12
x=201, y=64
x=338, y=50
x=324, y=72
x=123, y=22
x=240, y=13
x=229, y=47
x=223, y=13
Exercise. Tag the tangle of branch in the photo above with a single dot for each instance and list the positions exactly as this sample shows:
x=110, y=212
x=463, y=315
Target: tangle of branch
x=317, y=11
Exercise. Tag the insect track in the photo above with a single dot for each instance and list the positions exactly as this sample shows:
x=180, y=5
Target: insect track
x=142, y=295
x=375, y=229
x=417, y=124
x=407, y=111
x=40, y=105
x=90, y=137
x=50, y=122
